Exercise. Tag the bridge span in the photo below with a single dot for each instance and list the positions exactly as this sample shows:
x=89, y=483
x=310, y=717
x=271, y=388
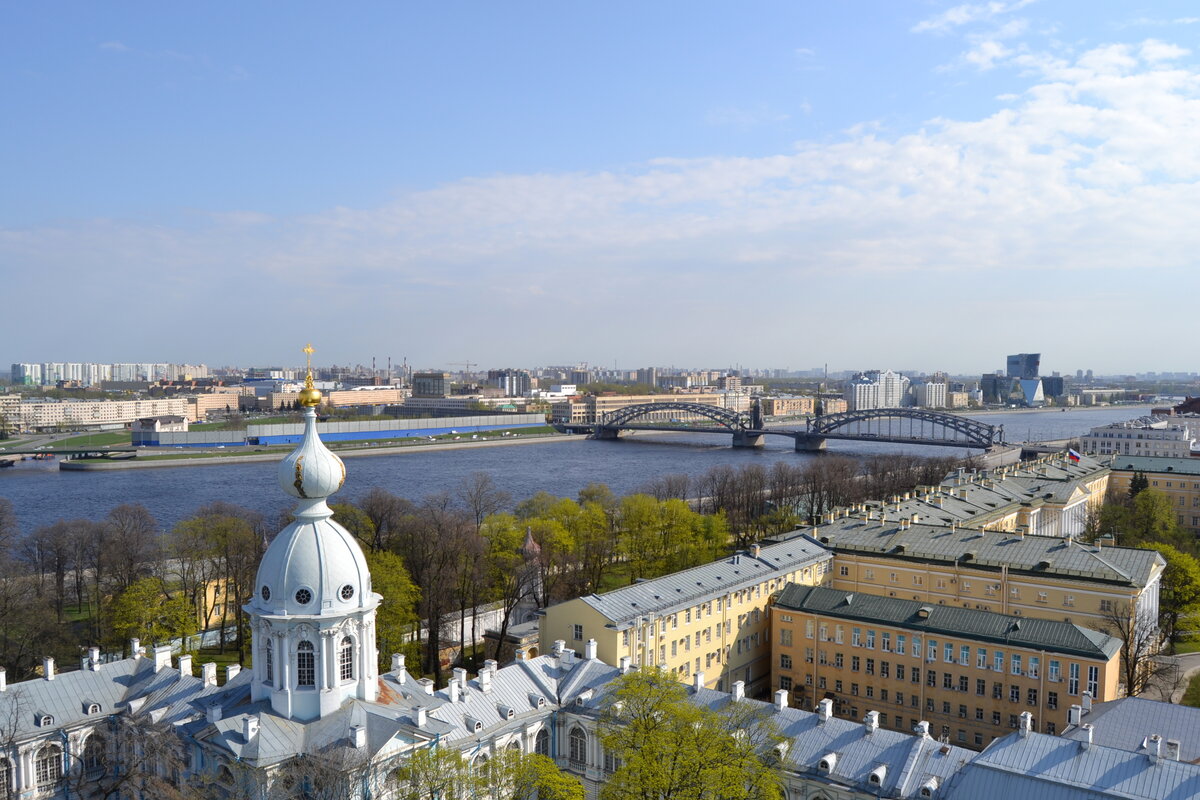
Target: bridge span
x=892, y=425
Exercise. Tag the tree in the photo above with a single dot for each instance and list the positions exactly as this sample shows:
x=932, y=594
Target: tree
x=508, y=573
x=1141, y=642
x=1137, y=483
x=131, y=545
x=667, y=746
x=436, y=772
x=355, y=520
x=482, y=497
x=1180, y=598
x=133, y=757
x=144, y=612
x=397, y=614
x=9, y=530
x=512, y=775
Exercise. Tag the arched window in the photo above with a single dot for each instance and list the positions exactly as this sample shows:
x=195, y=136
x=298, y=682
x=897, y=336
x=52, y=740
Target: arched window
x=47, y=767
x=346, y=659
x=577, y=747
x=306, y=665
x=93, y=752
x=269, y=662
x=514, y=746
x=541, y=743
x=6, y=779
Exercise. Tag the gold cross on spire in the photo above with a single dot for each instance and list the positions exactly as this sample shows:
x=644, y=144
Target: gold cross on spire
x=308, y=351
x=309, y=396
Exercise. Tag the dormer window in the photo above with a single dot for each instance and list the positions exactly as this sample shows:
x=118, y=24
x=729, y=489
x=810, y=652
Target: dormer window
x=93, y=708
x=45, y=720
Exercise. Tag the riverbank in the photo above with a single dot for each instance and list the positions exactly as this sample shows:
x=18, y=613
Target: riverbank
x=200, y=460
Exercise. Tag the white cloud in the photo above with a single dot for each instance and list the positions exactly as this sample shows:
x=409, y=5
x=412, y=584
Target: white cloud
x=114, y=46
x=1092, y=168
x=958, y=16
x=985, y=54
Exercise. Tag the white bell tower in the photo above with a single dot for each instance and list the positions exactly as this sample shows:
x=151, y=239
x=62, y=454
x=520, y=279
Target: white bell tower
x=313, y=611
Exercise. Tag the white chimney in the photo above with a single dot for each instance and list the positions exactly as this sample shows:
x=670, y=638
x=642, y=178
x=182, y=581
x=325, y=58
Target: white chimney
x=1154, y=748
x=871, y=721
x=485, y=680
x=162, y=657
x=739, y=690
x=559, y=646
x=94, y=658
x=824, y=709
x=1025, y=723
x=426, y=684
x=454, y=691
x=1087, y=701
x=135, y=648
x=185, y=665
x=781, y=699
x=249, y=727
x=460, y=677
x=397, y=662
x=922, y=729
x=625, y=664
x=214, y=711
x=421, y=716
x=48, y=668
x=1086, y=741
x=1173, y=749
x=1075, y=715
x=589, y=650
x=209, y=673
x=3, y=679
x=698, y=680
x=358, y=736
x=491, y=665
x=231, y=671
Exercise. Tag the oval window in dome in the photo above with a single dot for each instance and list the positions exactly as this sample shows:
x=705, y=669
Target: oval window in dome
x=347, y=592
x=303, y=596
x=266, y=593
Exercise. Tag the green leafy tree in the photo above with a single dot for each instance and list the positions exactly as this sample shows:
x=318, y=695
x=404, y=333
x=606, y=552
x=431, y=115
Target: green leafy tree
x=1180, y=599
x=667, y=746
x=437, y=772
x=357, y=521
x=144, y=612
x=397, y=615
x=507, y=571
x=513, y=775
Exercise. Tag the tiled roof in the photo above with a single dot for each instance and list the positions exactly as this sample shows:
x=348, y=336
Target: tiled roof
x=681, y=589
x=969, y=623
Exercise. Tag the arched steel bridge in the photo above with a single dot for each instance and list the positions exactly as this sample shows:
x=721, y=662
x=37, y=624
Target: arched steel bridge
x=897, y=425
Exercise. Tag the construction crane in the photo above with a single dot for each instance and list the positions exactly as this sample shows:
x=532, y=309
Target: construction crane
x=466, y=365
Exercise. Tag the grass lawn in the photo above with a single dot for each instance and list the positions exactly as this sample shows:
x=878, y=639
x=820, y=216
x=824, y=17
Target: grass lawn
x=1187, y=646
x=1192, y=696
x=95, y=439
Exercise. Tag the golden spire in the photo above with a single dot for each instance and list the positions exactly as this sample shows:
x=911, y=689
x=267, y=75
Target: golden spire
x=310, y=396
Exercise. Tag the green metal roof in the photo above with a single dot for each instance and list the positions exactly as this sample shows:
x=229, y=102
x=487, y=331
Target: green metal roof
x=1159, y=464
x=964, y=623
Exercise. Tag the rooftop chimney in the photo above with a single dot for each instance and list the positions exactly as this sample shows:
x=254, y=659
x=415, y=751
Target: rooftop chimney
x=135, y=648
x=213, y=712
x=185, y=665
x=1086, y=741
x=94, y=659
x=781, y=699
x=162, y=657
x=249, y=727
x=559, y=646
x=922, y=729
x=1172, y=749
x=209, y=673
x=420, y=716
x=358, y=736
x=739, y=690
x=871, y=721
x=397, y=663
x=1075, y=715
x=698, y=681
x=454, y=691
x=756, y=549
x=460, y=677
x=426, y=685
x=589, y=650
x=48, y=668
x=625, y=664
x=3, y=679
x=1025, y=724
x=485, y=680
x=231, y=671
x=824, y=709
x=1154, y=748
x=1087, y=701
x=491, y=665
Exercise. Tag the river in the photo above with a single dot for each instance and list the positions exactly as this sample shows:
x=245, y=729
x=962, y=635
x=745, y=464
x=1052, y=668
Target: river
x=42, y=494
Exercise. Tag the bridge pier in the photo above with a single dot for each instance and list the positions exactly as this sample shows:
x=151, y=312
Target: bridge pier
x=745, y=439
x=606, y=433
x=808, y=443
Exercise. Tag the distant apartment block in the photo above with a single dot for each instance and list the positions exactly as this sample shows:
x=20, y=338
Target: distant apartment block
x=876, y=389
x=47, y=416
x=788, y=406
x=431, y=384
x=1024, y=365
x=1144, y=436
x=930, y=395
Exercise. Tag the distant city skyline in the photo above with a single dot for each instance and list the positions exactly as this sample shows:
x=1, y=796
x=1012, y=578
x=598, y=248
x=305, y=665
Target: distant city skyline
x=868, y=185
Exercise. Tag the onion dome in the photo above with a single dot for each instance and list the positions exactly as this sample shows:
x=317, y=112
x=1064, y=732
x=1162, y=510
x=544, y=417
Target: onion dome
x=311, y=471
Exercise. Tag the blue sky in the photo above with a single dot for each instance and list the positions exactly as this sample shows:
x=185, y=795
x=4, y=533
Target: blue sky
x=922, y=185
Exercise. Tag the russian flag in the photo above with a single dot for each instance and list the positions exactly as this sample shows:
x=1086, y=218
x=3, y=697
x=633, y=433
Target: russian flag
x=1071, y=454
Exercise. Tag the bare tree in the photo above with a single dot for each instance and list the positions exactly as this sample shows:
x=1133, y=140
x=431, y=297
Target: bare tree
x=132, y=756
x=9, y=530
x=482, y=498
x=132, y=544
x=1141, y=642
x=388, y=513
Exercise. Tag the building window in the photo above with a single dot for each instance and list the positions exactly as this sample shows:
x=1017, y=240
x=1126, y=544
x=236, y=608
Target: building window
x=785, y=682
x=306, y=666
x=577, y=742
x=1051, y=700
x=1032, y=698
x=541, y=743
x=346, y=660
x=269, y=662
x=1093, y=682
x=577, y=631
x=93, y=753
x=785, y=637
x=785, y=661
x=48, y=768
x=980, y=687
x=6, y=776
x=1073, y=681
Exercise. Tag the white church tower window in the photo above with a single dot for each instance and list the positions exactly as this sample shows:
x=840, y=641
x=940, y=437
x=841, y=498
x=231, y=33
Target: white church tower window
x=312, y=597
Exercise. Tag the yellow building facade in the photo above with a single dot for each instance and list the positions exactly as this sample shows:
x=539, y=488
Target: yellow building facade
x=969, y=673
x=1177, y=478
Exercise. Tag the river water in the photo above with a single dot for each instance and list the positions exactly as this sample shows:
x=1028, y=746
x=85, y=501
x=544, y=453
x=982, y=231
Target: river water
x=42, y=494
